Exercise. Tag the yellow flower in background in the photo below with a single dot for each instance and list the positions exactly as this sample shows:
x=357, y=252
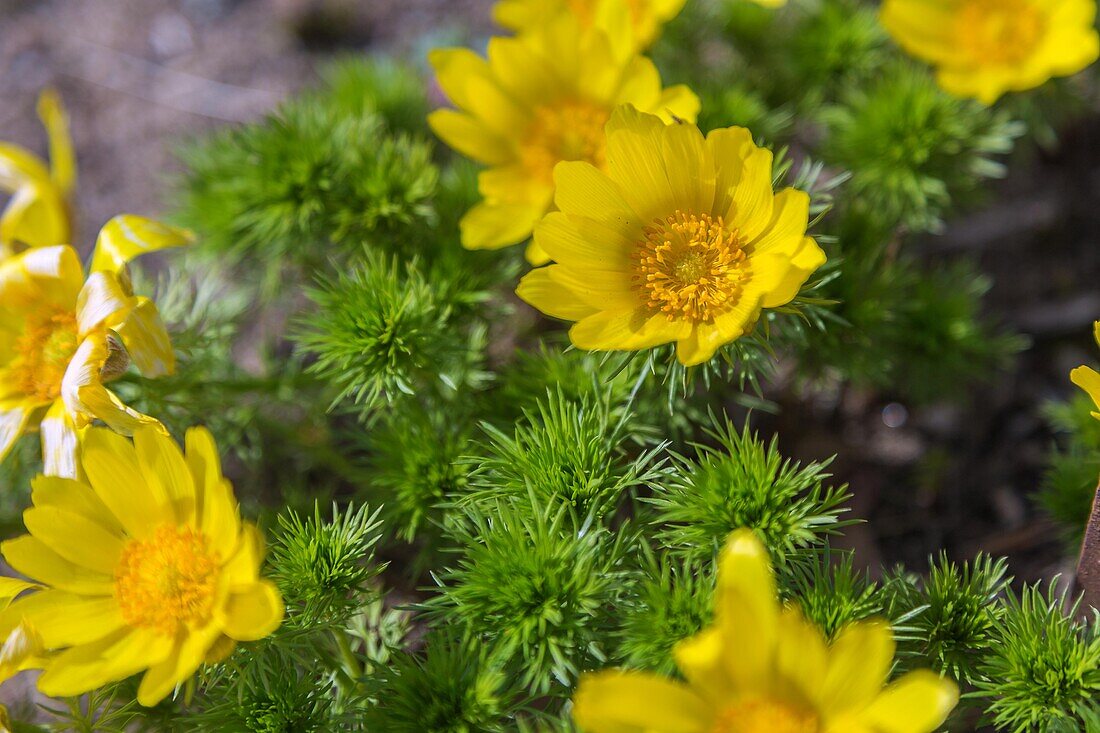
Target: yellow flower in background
x=985, y=48
x=539, y=99
x=63, y=335
x=1088, y=379
x=643, y=17
x=763, y=669
x=145, y=565
x=38, y=214
x=681, y=239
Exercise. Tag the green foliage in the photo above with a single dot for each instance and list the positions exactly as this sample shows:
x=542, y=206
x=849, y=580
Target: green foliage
x=911, y=148
x=670, y=601
x=536, y=584
x=385, y=86
x=1073, y=472
x=453, y=687
x=568, y=451
x=832, y=593
x=956, y=611
x=744, y=482
x=306, y=184
x=1042, y=672
x=323, y=567
x=384, y=331
x=414, y=465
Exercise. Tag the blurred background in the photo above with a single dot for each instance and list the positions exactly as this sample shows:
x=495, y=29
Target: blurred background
x=139, y=78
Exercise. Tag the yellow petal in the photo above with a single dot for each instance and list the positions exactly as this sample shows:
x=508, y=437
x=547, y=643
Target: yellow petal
x=540, y=290
x=127, y=236
x=73, y=496
x=801, y=658
x=220, y=518
x=453, y=68
x=626, y=330
x=919, y=702
x=859, y=663
x=178, y=666
x=111, y=464
x=922, y=28
x=678, y=103
x=524, y=72
x=10, y=588
x=492, y=226
x=13, y=421
x=582, y=190
x=603, y=289
x=701, y=658
x=62, y=157
x=163, y=465
x=34, y=559
x=580, y=242
x=60, y=443
x=690, y=166
x=253, y=611
x=790, y=217
x=36, y=216
x=44, y=275
x=116, y=657
x=1088, y=380
x=102, y=300
x=471, y=137
x=75, y=537
x=747, y=609
x=85, y=396
x=65, y=619
x=635, y=162
x=750, y=210
x=146, y=340
x=626, y=702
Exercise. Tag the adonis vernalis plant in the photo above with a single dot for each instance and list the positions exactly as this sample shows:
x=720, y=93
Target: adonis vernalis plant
x=539, y=99
x=985, y=48
x=64, y=334
x=486, y=520
x=682, y=240
x=144, y=565
x=38, y=215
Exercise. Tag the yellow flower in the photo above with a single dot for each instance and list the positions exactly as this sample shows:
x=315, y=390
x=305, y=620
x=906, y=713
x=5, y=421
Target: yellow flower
x=1088, y=379
x=764, y=669
x=37, y=215
x=985, y=48
x=62, y=335
x=146, y=566
x=682, y=239
x=643, y=17
x=539, y=99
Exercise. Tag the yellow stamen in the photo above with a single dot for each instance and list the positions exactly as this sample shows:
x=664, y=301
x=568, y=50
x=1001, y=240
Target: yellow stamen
x=765, y=716
x=564, y=131
x=166, y=580
x=999, y=31
x=42, y=354
x=691, y=266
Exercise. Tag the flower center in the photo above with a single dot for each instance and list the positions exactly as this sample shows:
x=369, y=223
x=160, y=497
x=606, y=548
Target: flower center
x=564, y=131
x=765, y=716
x=42, y=354
x=999, y=31
x=585, y=10
x=690, y=266
x=166, y=580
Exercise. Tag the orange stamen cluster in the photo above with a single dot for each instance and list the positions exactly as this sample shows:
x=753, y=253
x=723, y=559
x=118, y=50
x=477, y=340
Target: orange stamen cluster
x=690, y=266
x=999, y=31
x=564, y=131
x=765, y=716
x=166, y=580
x=42, y=354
